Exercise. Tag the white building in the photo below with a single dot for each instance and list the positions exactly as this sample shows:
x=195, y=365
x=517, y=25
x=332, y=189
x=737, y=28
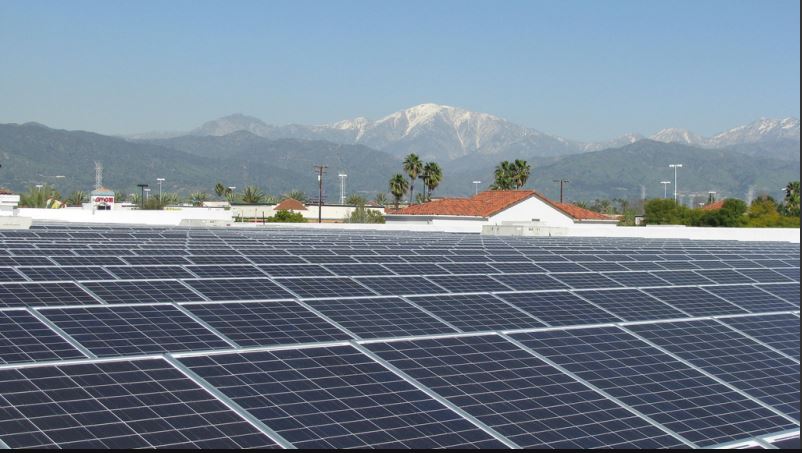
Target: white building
x=499, y=207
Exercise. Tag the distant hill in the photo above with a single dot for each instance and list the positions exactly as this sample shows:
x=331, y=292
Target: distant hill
x=30, y=153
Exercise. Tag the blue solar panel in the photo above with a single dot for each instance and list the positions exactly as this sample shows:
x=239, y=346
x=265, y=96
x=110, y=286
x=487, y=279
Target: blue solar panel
x=529, y=282
x=673, y=394
x=239, y=289
x=380, y=317
x=750, y=298
x=728, y=355
x=266, y=323
x=778, y=331
x=559, y=308
x=476, y=312
x=695, y=301
x=336, y=397
x=23, y=338
x=468, y=283
x=631, y=304
x=582, y=280
x=142, y=291
x=126, y=404
x=133, y=330
x=788, y=292
x=518, y=395
x=43, y=294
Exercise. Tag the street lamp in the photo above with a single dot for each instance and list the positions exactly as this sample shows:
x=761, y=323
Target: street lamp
x=142, y=197
x=675, y=167
x=665, y=188
x=161, y=180
x=342, y=187
x=147, y=194
x=476, y=187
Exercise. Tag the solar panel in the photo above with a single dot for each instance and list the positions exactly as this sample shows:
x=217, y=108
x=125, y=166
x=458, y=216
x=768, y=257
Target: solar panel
x=317, y=287
x=380, y=317
x=24, y=294
x=682, y=278
x=136, y=291
x=582, y=280
x=354, y=270
x=728, y=355
x=24, y=261
x=604, y=267
x=529, y=282
x=694, y=301
x=133, y=330
x=329, y=259
x=518, y=395
x=222, y=271
x=239, y=289
x=517, y=268
x=636, y=279
x=750, y=298
x=562, y=266
x=789, y=292
x=723, y=276
x=642, y=265
x=631, y=304
x=66, y=273
x=791, y=272
x=673, y=394
x=764, y=275
x=295, y=270
x=8, y=274
x=125, y=404
x=416, y=268
x=88, y=261
x=678, y=265
x=559, y=308
x=468, y=283
x=23, y=338
x=336, y=397
x=149, y=272
x=778, y=331
x=400, y=285
x=476, y=312
x=276, y=259
x=468, y=268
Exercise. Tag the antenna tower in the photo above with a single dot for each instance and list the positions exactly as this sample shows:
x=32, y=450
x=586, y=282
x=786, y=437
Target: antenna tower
x=98, y=175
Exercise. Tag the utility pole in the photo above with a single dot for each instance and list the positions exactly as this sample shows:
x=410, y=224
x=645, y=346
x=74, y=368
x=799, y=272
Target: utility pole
x=665, y=188
x=142, y=197
x=561, y=181
x=675, y=167
x=320, y=169
x=161, y=180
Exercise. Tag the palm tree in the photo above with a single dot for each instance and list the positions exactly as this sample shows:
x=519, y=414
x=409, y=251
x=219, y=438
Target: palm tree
x=252, y=195
x=504, y=176
x=432, y=176
x=76, y=198
x=295, y=195
x=220, y=190
x=355, y=200
x=398, y=187
x=37, y=197
x=198, y=198
x=381, y=199
x=792, y=198
x=413, y=166
x=521, y=171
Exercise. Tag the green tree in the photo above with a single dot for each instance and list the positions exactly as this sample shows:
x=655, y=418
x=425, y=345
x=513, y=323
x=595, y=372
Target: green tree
x=520, y=173
x=77, y=198
x=284, y=216
x=296, y=195
x=413, y=166
x=364, y=215
x=252, y=195
x=432, y=177
x=791, y=202
x=398, y=187
x=381, y=199
x=38, y=197
x=355, y=200
x=220, y=190
x=119, y=197
x=198, y=198
x=665, y=211
x=504, y=176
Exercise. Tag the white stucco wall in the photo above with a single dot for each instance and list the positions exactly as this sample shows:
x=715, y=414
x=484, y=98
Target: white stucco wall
x=330, y=212
x=117, y=216
x=529, y=210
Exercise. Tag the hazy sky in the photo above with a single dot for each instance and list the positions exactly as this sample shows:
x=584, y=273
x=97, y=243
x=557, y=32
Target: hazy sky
x=581, y=69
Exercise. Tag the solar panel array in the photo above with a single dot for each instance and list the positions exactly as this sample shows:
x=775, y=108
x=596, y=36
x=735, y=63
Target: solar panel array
x=120, y=337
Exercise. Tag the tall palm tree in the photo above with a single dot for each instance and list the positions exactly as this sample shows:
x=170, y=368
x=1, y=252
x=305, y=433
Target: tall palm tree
x=198, y=198
x=252, y=195
x=504, y=176
x=398, y=187
x=521, y=171
x=220, y=189
x=413, y=166
x=792, y=198
x=381, y=199
x=432, y=176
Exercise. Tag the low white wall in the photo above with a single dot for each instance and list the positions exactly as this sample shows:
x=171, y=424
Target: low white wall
x=530, y=210
x=144, y=217
x=329, y=212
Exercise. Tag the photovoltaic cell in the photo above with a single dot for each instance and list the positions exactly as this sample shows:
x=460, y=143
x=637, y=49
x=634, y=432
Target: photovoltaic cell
x=141, y=291
x=750, y=298
x=673, y=394
x=695, y=301
x=789, y=292
x=724, y=276
x=125, y=404
x=468, y=268
x=266, y=323
x=416, y=268
x=582, y=280
x=631, y=304
x=380, y=317
x=791, y=272
x=23, y=338
x=476, y=312
x=778, y=331
x=562, y=266
x=148, y=272
x=222, y=271
x=353, y=270
x=295, y=270
x=400, y=285
x=764, y=275
x=517, y=268
x=239, y=289
x=336, y=398
x=133, y=330
x=468, y=283
x=316, y=287
x=218, y=259
x=732, y=357
x=66, y=273
x=518, y=395
x=8, y=274
x=529, y=282
x=43, y=294
x=559, y=308
x=680, y=278
x=636, y=279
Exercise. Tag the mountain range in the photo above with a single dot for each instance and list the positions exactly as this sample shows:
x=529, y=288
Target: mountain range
x=447, y=133
x=238, y=150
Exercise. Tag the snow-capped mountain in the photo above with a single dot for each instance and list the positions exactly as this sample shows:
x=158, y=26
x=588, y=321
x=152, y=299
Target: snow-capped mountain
x=443, y=132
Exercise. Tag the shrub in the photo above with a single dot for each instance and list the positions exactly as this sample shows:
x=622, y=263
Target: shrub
x=284, y=216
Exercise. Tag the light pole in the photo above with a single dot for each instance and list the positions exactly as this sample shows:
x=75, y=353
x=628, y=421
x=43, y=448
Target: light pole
x=675, y=167
x=147, y=194
x=665, y=188
x=142, y=197
x=561, y=181
x=476, y=187
x=342, y=187
x=161, y=180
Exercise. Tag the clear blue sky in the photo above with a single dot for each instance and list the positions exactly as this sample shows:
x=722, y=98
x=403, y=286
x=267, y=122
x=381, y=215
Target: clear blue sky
x=581, y=69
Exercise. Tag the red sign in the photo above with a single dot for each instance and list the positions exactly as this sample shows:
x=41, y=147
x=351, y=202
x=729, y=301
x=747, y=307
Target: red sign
x=104, y=199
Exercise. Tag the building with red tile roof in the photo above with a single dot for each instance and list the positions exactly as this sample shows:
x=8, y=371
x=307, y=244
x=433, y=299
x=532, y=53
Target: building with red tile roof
x=500, y=206
x=290, y=204
x=714, y=206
